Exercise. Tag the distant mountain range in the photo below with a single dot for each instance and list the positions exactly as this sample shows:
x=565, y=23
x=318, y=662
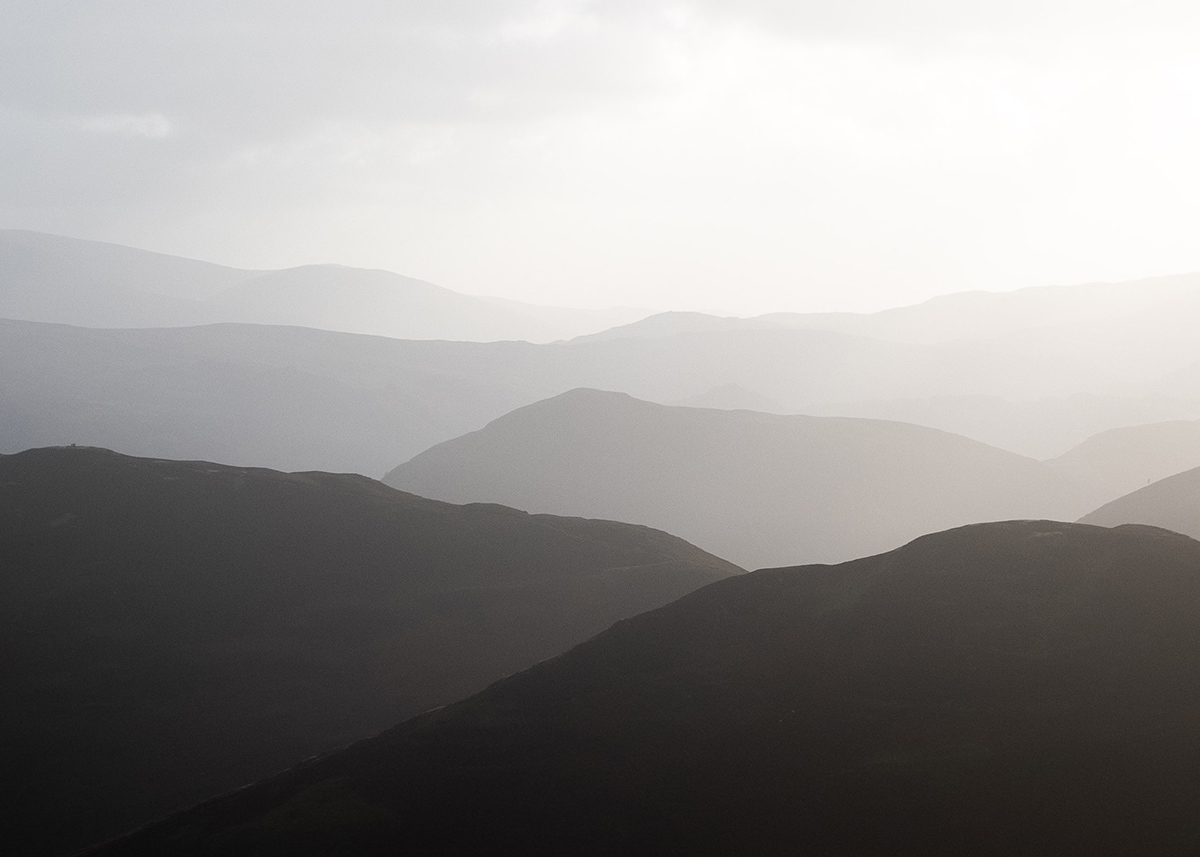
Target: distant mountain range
x=66, y=280
x=1036, y=371
x=1007, y=688
x=1143, y=323
x=296, y=398
x=757, y=488
x=171, y=630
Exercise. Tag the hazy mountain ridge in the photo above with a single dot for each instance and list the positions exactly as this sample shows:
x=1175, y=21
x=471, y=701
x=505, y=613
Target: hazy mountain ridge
x=1172, y=503
x=289, y=398
x=1042, y=428
x=62, y=280
x=296, y=398
x=284, y=398
x=1008, y=688
x=176, y=629
x=968, y=315
x=758, y=488
x=1132, y=345
x=1124, y=459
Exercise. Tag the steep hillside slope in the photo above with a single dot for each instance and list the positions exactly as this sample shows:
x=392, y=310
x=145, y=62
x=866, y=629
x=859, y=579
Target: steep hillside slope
x=1172, y=503
x=760, y=489
x=1004, y=689
x=170, y=630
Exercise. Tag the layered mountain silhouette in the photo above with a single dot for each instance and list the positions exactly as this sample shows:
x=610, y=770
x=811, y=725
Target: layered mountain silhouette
x=297, y=399
x=1042, y=428
x=1006, y=688
x=760, y=489
x=1136, y=338
x=172, y=630
x=1143, y=320
x=281, y=397
x=51, y=278
x=1172, y=503
x=1034, y=371
x=1122, y=460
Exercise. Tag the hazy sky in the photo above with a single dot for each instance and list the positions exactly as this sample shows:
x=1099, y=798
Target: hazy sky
x=744, y=156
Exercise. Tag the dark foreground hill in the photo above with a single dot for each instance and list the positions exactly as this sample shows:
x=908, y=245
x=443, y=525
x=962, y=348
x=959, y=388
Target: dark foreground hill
x=1172, y=503
x=170, y=630
x=1009, y=688
x=760, y=489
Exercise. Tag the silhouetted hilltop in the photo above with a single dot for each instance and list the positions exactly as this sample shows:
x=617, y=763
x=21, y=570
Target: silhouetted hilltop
x=1172, y=503
x=762, y=489
x=1009, y=688
x=171, y=630
x=1121, y=460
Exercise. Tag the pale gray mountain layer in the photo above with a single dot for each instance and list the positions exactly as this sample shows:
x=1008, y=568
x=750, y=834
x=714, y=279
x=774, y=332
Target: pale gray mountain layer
x=1122, y=460
x=758, y=489
x=282, y=397
x=1172, y=503
x=1129, y=331
x=64, y=280
x=1041, y=429
x=297, y=398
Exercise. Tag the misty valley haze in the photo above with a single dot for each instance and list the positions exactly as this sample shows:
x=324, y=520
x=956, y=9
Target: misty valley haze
x=555, y=427
x=182, y=628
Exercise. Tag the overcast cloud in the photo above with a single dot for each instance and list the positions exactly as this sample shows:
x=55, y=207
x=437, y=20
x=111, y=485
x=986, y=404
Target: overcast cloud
x=738, y=156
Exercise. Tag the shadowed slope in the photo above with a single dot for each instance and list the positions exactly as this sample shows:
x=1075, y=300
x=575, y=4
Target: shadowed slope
x=1004, y=689
x=761, y=489
x=171, y=630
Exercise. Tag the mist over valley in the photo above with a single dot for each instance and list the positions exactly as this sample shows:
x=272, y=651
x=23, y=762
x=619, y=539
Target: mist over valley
x=543, y=427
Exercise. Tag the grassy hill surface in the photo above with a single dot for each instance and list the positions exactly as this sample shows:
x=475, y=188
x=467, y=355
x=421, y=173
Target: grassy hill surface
x=760, y=489
x=171, y=630
x=1003, y=689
